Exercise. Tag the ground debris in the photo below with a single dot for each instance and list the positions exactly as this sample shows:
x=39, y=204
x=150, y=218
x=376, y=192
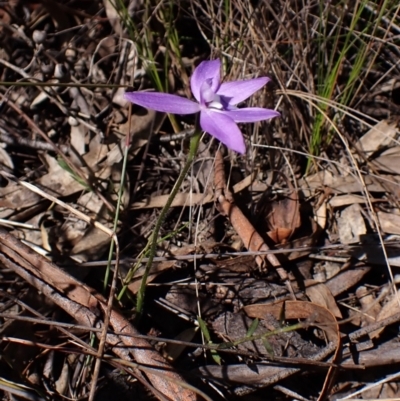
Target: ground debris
x=269, y=266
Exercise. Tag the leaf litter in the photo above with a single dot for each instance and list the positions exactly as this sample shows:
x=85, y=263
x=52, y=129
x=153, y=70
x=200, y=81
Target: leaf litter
x=277, y=265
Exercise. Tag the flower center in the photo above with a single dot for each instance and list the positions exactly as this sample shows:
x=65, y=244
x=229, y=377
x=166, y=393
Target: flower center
x=216, y=103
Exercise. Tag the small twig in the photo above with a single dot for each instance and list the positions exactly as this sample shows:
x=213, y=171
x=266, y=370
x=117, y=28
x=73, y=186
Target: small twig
x=34, y=82
x=76, y=212
x=374, y=326
x=228, y=255
x=187, y=133
x=19, y=141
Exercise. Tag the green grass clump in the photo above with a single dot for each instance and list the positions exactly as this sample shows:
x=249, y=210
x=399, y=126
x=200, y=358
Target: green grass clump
x=346, y=32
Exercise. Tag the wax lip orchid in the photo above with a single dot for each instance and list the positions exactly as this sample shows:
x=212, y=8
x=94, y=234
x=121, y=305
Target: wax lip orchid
x=216, y=102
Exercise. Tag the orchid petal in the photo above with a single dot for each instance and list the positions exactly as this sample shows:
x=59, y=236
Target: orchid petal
x=164, y=102
x=250, y=114
x=223, y=128
x=205, y=71
x=237, y=91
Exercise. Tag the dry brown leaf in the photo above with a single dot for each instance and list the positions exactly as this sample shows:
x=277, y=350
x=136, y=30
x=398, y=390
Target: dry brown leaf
x=5, y=17
x=91, y=245
x=320, y=294
x=302, y=242
x=57, y=181
x=380, y=135
x=252, y=374
x=62, y=383
x=345, y=200
x=388, y=161
x=93, y=241
x=369, y=305
x=280, y=235
x=351, y=224
x=318, y=315
x=173, y=351
x=113, y=17
x=320, y=213
x=5, y=159
x=97, y=151
x=140, y=129
x=78, y=138
x=382, y=391
x=343, y=281
x=389, y=222
x=282, y=214
x=384, y=353
x=181, y=199
x=155, y=270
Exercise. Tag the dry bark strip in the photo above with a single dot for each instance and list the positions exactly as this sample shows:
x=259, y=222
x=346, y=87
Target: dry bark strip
x=252, y=240
x=317, y=316
x=255, y=376
x=86, y=306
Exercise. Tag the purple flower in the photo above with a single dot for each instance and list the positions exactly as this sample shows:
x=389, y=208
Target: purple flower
x=216, y=102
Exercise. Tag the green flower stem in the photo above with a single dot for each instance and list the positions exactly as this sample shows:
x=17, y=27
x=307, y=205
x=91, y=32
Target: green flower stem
x=117, y=213
x=194, y=145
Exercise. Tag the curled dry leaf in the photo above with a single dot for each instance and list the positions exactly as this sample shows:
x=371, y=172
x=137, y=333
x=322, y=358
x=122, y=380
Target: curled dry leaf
x=282, y=213
x=320, y=294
